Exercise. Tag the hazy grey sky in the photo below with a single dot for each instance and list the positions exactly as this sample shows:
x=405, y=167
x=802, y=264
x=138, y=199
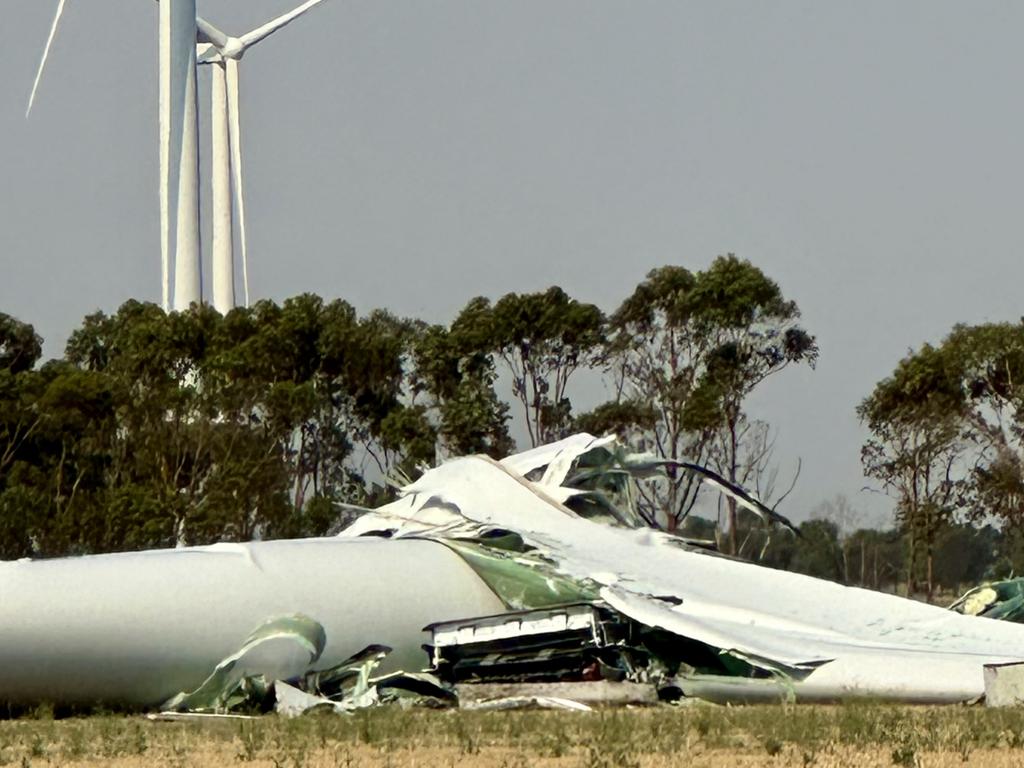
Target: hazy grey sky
x=866, y=155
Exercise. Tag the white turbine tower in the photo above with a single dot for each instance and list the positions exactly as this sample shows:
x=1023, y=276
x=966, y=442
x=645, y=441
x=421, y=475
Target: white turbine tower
x=179, y=147
x=223, y=54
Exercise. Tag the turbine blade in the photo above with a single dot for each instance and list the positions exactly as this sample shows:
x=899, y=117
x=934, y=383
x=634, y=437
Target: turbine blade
x=253, y=37
x=207, y=53
x=235, y=138
x=220, y=167
x=207, y=33
x=46, y=54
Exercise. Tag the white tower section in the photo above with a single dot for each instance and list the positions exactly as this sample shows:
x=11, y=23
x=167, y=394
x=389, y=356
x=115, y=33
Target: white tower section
x=179, y=149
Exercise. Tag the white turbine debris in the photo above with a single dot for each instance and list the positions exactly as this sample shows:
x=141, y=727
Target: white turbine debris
x=518, y=575
x=828, y=641
x=142, y=627
x=223, y=53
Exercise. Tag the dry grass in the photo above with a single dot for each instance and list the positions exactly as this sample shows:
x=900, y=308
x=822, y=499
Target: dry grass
x=851, y=735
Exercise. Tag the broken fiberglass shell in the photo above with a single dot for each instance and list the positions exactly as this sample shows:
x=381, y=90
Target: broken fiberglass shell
x=838, y=641
x=474, y=538
x=138, y=628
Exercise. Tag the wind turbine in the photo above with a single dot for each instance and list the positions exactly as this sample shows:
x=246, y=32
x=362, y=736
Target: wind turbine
x=179, y=149
x=223, y=53
x=179, y=146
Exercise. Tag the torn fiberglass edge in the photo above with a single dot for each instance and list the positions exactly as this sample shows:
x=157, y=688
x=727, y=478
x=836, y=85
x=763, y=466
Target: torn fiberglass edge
x=994, y=600
x=473, y=538
x=823, y=640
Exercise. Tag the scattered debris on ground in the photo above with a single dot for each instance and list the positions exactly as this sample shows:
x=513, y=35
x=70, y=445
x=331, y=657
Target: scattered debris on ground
x=531, y=571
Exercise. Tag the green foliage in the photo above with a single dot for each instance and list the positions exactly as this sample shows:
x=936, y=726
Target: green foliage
x=542, y=339
x=819, y=553
x=946, y=433
x=454, y=373
x=157, y=429
x=990, y=361
x=920, y=436
x=20, y=345
x=685, y=351
x=161, y=429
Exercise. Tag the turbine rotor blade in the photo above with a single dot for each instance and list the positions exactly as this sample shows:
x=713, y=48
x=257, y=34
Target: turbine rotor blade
x=207, y=33
x=253, y=37
x=46, y=54
x=235, y=139
x=207, y=53
x=220, y=161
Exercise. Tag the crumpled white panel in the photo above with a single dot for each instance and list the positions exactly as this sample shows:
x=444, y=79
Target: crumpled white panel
x=878, y=644
x=557, y=457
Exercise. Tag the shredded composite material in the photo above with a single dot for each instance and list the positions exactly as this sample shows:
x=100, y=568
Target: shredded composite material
x=200, y=628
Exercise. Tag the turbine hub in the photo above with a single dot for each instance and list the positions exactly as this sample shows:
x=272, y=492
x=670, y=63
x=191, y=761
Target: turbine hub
x=233, y=49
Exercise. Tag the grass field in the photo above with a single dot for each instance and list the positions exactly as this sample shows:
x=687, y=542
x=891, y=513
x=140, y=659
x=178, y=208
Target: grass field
x=699, y=735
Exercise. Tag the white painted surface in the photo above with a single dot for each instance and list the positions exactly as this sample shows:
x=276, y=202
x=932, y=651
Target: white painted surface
x=140, y=627
x=220, y=173
x=179, y=133
x=847, y=641
x=227, y=150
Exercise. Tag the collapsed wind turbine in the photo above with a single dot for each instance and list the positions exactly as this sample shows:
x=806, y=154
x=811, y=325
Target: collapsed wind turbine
x=223, y=54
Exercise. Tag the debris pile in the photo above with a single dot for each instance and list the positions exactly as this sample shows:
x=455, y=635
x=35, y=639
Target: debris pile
x=531, y=571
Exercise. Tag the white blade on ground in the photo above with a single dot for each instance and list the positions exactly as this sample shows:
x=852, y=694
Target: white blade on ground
x=46, y=53
x=235, y=134
x=253, y=37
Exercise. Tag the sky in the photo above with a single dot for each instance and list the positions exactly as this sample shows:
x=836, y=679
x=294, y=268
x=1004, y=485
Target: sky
x=411, y=155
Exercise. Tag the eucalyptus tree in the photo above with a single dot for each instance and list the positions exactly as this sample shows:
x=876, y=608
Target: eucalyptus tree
x=685, y=350
x=20, y=422
x=920, y=448
x=453, y=380
x=541, y=339
x=989, y=359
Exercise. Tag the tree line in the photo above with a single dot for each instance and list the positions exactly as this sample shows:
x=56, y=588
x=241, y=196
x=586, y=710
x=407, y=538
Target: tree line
x=946, y=431
x=160, y=429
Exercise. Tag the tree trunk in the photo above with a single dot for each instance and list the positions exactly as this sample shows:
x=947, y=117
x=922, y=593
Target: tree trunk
x=875, y=580
x=931, y=585
x=912, y=566
x=731, y=503
x=863, y=561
